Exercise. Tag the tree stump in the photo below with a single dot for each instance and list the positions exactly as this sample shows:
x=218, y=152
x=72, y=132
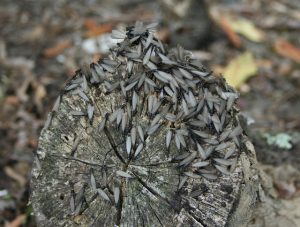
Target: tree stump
x=147, y=137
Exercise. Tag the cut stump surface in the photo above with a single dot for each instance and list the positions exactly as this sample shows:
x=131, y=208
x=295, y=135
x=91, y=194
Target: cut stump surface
x=144, y=138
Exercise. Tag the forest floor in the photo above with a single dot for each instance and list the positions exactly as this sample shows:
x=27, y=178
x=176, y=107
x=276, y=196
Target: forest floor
x=43, y=43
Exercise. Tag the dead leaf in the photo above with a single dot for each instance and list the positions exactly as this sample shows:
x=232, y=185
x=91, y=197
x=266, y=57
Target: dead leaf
x=90, y=24
x=285, y=180
x=94, y=29
x=57, y=49
x=232, y=25
x=163, y=34
x=247, y=29
x=287, y=50
x=15, y=175
x=22, y=89
x=35, y=34
x=96, y=57
x=286, y=190
x=232, y=36
x=223, y=21
x=32, y=142
x=18, y=221
x=40, y=92
x=240, y=69
x=12, y=100
x=265, y=63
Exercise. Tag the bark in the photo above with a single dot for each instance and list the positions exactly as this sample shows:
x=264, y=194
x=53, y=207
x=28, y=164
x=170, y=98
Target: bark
x=72, y=152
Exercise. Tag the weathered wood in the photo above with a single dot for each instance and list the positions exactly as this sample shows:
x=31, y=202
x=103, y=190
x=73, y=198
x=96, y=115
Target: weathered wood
x=87, y=173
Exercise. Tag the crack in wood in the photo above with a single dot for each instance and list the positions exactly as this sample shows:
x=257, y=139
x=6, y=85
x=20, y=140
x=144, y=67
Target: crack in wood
x=151, y=190
x=120, y=203
x=156, y=215
x=113, y=145
x=82, y=161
